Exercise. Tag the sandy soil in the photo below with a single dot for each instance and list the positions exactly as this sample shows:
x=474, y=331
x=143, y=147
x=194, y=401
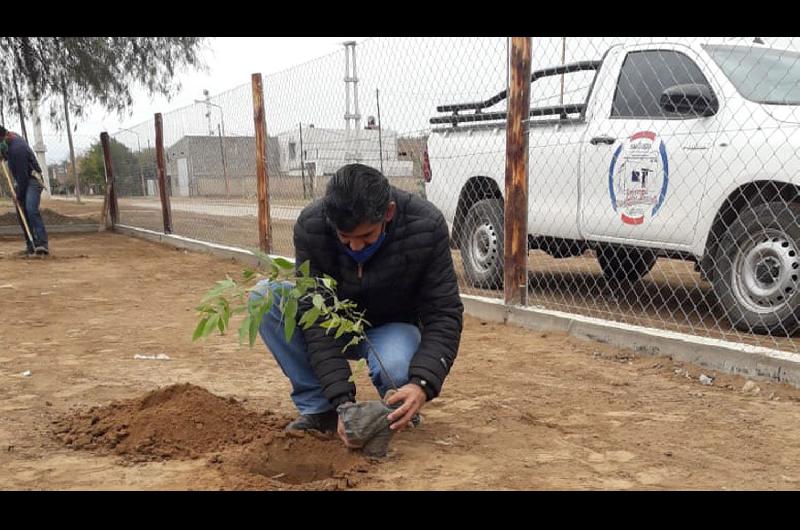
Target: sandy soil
x=521, y=410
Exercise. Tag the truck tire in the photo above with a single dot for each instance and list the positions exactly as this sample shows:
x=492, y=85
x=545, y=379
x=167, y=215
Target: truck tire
x=757, y=261
x=481, y=244
x=624, y=265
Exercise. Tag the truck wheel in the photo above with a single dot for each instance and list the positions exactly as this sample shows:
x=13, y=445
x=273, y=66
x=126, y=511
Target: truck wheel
x=481, y=244
x=758, y=270
x=625, y=264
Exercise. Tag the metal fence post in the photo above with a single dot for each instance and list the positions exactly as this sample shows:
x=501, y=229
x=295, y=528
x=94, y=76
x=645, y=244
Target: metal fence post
x=111, y=188
x=515, y=216
x=166, y=209
x=262, y=176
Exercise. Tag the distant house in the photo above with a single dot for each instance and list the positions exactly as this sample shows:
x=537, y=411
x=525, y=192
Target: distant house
x=60, y=174
x=326, y=150
x=212, y=165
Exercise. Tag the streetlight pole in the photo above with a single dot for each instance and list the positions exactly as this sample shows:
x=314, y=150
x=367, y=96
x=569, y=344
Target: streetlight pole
x=139, y=159
x=221, y=143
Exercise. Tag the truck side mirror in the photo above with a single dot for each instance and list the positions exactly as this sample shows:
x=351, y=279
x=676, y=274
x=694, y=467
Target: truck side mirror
x=693, y=98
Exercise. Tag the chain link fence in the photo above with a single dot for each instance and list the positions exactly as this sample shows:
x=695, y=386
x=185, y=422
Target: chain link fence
x=661, y=184
x=662, y=172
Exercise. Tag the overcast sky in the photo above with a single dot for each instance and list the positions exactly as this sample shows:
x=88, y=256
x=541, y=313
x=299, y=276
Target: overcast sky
x=304, y=82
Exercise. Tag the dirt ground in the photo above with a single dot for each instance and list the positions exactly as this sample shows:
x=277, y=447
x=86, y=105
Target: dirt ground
x=520, y=410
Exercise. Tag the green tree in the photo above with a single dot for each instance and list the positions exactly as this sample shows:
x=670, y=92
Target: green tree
x=72, y=73
x=126, y=169
x=93, y=70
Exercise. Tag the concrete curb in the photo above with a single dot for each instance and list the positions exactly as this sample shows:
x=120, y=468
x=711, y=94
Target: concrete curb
x=187, y=243
x=755, y=362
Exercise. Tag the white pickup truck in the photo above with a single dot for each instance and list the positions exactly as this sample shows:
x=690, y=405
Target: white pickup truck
x=681, y=151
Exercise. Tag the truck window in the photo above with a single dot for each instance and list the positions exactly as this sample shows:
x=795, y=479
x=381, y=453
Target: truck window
x=763, y=75
x=643, y=78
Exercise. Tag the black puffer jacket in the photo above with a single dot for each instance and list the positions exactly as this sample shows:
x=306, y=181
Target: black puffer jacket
x=409, y=279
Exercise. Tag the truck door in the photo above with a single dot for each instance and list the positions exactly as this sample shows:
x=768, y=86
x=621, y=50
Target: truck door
x=643, y=168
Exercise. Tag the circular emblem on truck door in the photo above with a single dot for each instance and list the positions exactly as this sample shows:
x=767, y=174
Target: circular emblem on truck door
x=638, y=177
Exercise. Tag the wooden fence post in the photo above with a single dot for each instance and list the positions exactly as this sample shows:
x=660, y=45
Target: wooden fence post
x=110, y=200
x=166, y=208
x=515, y=216
x=262, y=176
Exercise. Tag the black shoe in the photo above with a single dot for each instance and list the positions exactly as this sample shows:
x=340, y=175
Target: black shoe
x=41, y=251
x=322, y=422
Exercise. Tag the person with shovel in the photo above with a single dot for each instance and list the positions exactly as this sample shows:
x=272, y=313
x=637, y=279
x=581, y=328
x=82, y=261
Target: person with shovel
x=28, y=185
x=389, y=251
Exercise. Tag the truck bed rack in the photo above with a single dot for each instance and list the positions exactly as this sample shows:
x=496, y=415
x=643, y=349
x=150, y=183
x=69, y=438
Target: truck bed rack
x=563, y=110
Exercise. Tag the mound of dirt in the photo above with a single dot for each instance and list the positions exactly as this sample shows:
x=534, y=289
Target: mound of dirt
x=250, y=450
x=50, y=218
x=179, y=421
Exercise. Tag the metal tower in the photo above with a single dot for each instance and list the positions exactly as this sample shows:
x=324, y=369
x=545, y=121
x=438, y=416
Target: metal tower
x=352, y=154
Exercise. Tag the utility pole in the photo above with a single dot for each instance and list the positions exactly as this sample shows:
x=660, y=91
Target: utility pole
x=139, y=145
x=208, y=112
x=355, y=116
x=224, y=165
x=71, y=147
x=302, y=163
x=39, y=147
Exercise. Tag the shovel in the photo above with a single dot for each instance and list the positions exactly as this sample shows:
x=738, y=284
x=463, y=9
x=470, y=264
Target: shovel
x=16, y=202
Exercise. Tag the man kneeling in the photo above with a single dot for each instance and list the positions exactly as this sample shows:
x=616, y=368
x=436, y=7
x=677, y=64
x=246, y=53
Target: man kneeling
x=389, y=252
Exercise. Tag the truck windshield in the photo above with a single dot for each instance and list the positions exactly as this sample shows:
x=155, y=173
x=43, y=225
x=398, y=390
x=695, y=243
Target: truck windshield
x=763, y=75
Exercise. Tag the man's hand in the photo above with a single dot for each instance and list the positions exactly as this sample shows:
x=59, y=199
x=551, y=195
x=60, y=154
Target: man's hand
x=412, y=397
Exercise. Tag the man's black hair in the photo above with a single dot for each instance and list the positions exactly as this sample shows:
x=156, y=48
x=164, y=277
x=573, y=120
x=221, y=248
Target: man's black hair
x=356, y=194
x=3, y=131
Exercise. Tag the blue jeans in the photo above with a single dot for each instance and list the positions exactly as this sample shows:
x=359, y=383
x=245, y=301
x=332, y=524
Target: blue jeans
x=29, y=199
x=396, y=342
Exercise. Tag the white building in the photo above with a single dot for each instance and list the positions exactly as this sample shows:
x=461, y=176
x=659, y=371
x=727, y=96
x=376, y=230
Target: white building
x=326, y=150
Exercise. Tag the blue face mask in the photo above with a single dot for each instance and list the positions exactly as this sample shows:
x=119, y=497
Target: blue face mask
x=367, y=252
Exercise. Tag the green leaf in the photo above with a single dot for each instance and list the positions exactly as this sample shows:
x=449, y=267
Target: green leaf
x=290, y=313
x=263, y=257
x=305, y=268
x=244, y=328
x=328, y=325
x=306, y=283
x=290, y=310
x=248, y=274
x=309, y=317
x=318, y=301
x=329, y=282
x=283, y=263
x=353, y=342
x=198, y=331
x=254, y=323
x=210, y=325
x=258, y=307
x=221, y=287
x=341, y=331
x=288, y=328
